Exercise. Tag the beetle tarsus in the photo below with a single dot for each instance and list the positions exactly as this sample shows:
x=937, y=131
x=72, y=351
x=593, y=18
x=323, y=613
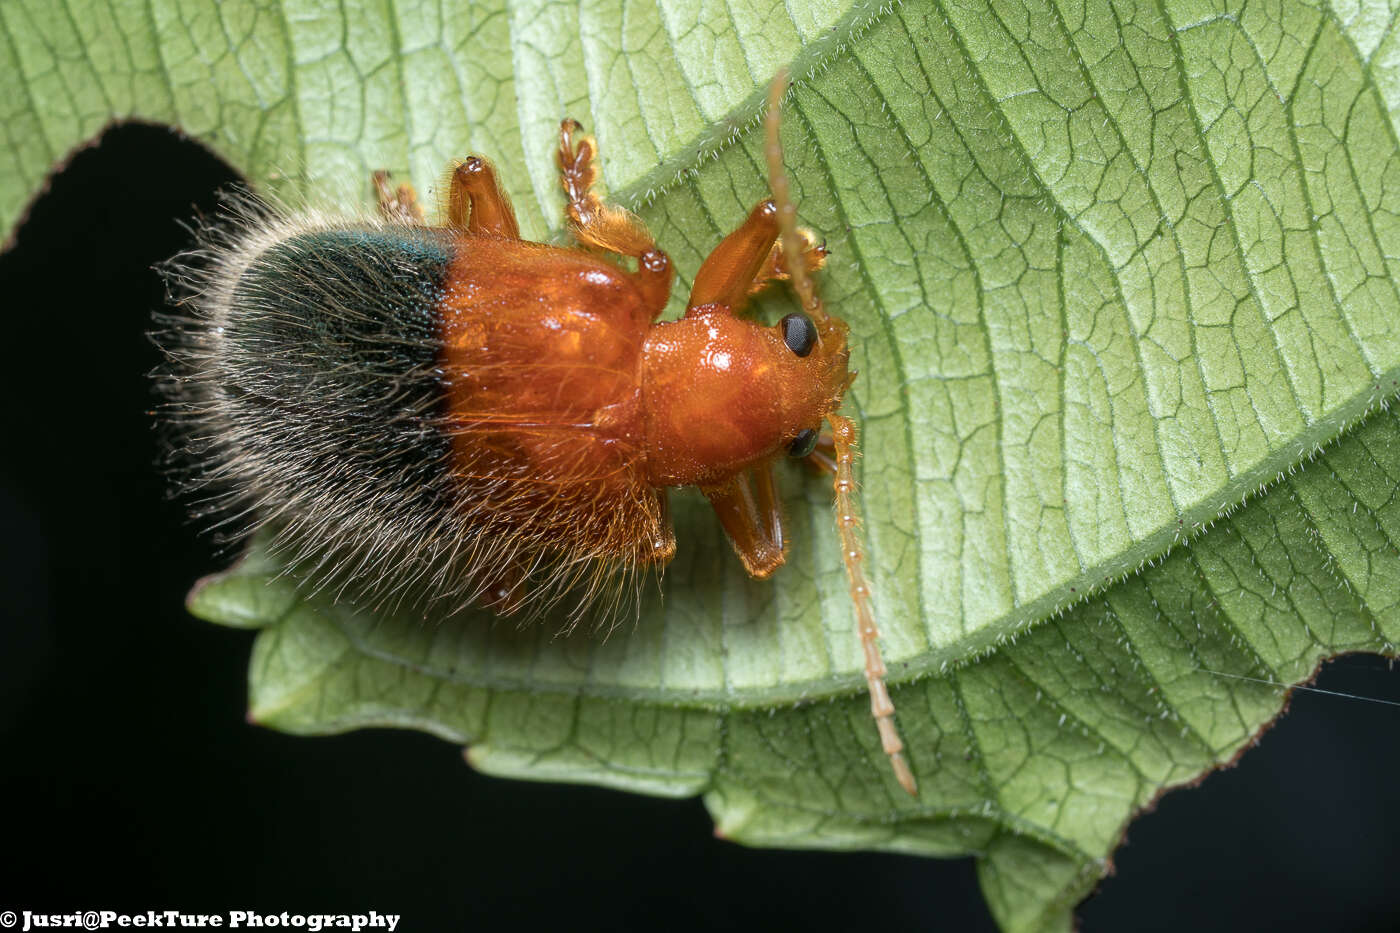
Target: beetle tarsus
x=775, y=269
x=594, y=223
x=397, y=205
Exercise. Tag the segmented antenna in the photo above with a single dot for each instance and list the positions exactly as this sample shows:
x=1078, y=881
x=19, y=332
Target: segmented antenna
x=787, y=211
x=843, y=431
x=844, y=434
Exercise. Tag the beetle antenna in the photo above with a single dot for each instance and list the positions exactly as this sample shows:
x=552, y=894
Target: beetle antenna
x=793, y=244
x=843, y=431
x=844, y=434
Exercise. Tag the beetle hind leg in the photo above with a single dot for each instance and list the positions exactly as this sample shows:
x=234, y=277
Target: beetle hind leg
x=658, y=546
x=397, y=205
x=476, y=203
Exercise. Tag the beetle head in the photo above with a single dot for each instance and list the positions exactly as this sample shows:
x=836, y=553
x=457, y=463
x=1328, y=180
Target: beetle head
x=724, y=393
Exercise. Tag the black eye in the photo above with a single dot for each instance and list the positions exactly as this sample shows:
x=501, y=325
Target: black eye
x=803, y=444
x=799, y=333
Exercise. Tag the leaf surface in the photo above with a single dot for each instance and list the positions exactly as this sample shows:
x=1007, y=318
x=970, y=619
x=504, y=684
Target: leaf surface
x=1121, y=283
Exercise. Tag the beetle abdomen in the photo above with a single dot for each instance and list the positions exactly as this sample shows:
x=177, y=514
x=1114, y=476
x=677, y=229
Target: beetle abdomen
x=406, y=405
x=306, y=397
x=327, y=359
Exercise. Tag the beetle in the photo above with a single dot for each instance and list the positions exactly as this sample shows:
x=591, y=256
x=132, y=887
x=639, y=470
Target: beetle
x=459, y=411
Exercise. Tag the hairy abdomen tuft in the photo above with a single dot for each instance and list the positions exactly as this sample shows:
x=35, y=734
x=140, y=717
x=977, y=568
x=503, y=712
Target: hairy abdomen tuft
x=326, y=363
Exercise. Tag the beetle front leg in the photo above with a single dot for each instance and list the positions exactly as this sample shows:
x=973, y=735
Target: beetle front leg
x=752, y=520
x=822, y=459
x=748, y=260
x=728, y=273
x=476, y=203
x=397, y=205
x=775, y=269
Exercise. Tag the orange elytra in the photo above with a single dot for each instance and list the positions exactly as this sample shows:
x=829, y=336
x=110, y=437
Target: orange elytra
x=455, y=411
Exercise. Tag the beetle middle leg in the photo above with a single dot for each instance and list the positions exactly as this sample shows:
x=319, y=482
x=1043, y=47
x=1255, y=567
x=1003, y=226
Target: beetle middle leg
x=753, y=520
x=397, y=205
x=659, y=546
x=748, y=260
x=605, y=226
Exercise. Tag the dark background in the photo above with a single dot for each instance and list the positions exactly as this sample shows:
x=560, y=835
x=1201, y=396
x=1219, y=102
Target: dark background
x=131, y=781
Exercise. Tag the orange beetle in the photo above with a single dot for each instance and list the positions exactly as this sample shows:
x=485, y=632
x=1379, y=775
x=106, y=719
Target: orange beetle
x=461, y=412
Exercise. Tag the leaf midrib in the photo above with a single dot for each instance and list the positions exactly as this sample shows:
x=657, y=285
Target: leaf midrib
x=961, y=652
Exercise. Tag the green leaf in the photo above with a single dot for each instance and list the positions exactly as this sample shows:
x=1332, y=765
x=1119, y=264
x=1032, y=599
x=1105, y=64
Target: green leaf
x=1121, y=281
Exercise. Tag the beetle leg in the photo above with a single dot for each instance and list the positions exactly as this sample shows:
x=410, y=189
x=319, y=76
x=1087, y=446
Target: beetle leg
x=754, y=524
x=397, y=205
x=728, y=274
x=749, y=260
x=775, y=269
x=593, y=222
x=605, y=226
x=476, y=204
x=659, y=546
x=822, y=459
x=770, y=507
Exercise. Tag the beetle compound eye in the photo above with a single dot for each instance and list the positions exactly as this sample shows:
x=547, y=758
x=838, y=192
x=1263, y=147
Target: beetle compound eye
x=799, y=333
x=804, y=443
